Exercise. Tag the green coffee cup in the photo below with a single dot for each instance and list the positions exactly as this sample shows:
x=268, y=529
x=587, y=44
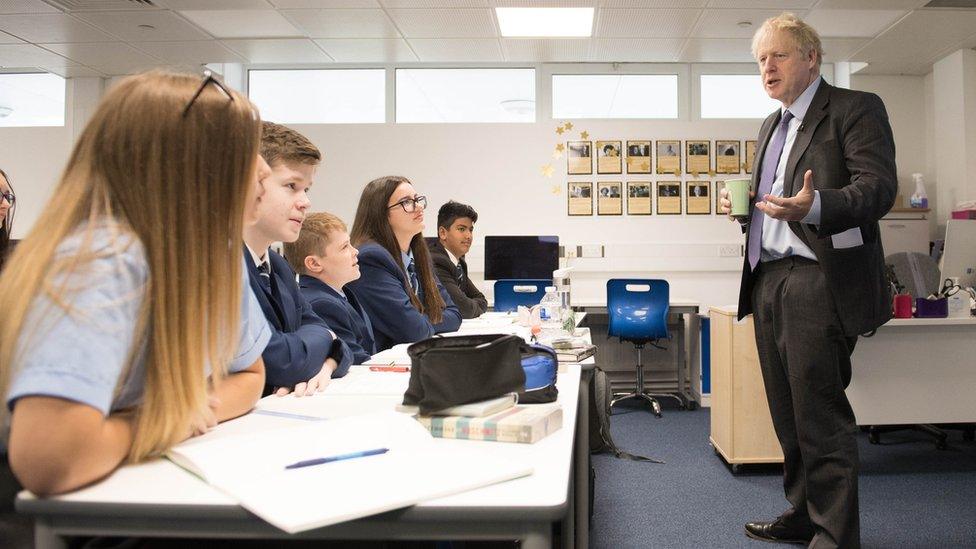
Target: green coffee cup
x=739, y=195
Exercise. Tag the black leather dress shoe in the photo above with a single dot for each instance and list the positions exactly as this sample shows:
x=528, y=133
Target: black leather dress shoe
x=777, y=532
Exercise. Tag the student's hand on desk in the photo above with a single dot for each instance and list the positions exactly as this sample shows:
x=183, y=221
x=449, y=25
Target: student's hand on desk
x=317, y=384
x=206, y=419
x=790, y=209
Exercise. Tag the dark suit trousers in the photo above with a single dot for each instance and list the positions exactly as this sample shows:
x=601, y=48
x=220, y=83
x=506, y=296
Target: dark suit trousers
x=806, y=365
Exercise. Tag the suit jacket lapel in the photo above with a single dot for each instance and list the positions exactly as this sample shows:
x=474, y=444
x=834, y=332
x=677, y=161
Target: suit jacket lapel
x=268, y=304
x=815, y=114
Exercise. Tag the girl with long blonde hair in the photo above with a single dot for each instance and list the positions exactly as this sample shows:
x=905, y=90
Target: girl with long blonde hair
x=128, y=324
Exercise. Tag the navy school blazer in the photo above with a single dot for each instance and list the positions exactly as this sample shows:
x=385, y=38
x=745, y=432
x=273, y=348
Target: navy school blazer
x=300, y=340
x=345, y=316
x=381, y=289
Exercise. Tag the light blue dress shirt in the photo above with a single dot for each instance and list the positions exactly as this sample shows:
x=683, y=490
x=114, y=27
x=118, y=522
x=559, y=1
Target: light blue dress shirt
x=778, y=240
x=81, y=355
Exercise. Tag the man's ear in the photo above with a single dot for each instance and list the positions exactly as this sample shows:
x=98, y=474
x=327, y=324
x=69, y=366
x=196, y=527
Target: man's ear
x=312, y=264
x=441, y=233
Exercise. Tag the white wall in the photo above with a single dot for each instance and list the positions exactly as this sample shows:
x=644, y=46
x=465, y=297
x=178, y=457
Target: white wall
x=496, y=168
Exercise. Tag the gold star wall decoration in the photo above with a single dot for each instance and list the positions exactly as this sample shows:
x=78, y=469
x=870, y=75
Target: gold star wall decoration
x=557, y=154
x=585, y=134
x=569, y=126
x=557, y=189
x=560, y=147
x=547, y=170
x=560, y=130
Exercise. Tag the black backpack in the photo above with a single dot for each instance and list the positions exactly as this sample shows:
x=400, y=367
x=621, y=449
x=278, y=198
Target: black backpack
x=601, y=441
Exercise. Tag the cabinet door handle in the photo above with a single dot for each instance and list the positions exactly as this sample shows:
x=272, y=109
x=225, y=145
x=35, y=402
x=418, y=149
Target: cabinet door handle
x=898, y=226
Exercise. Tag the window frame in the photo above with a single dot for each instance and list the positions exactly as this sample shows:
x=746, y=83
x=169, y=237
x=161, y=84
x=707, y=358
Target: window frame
x=681, y=70
x=65, y=96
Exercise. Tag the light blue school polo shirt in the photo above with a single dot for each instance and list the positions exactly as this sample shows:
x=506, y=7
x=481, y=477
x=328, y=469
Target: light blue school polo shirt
x=80, y=355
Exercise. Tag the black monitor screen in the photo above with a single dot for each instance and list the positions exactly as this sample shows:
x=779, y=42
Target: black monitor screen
x=521, y=257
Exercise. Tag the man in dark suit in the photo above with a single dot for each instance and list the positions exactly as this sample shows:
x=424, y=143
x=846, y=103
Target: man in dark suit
x=455, y=230
x=303, y=354
x=327, y=262
x=813, y=276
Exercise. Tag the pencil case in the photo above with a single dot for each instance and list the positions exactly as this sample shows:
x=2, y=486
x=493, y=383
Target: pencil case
x=931, y=308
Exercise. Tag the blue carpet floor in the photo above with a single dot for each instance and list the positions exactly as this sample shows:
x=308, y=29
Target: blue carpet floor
x=912, y=495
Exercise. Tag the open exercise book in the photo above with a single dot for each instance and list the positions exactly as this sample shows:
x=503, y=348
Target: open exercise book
x=251, y=469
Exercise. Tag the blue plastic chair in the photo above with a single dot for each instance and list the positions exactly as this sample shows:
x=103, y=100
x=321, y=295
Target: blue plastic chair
x=638, y=310
x=511, y=293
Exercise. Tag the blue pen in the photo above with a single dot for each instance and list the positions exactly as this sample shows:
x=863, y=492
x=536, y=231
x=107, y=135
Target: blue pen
x=340, y=457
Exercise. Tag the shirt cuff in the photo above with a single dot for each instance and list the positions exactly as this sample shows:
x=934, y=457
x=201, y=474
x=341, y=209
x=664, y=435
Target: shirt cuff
x=813, y=216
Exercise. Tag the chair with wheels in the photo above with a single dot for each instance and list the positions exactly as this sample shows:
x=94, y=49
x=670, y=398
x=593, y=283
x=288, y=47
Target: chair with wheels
x=638, y=310
x=510, y=293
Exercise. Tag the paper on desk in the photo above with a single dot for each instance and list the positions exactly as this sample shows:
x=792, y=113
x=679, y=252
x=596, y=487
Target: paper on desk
x=251, y=469
x=396, y=354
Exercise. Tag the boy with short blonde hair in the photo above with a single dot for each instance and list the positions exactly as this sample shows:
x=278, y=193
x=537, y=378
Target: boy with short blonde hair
x=326, y=262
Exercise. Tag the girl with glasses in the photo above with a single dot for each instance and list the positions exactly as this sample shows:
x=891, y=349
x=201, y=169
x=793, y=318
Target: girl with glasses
x=118, y=339
x=7, y=203
x=397, y=286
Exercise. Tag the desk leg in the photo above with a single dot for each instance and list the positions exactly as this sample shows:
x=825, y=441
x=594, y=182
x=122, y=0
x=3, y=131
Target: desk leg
x=537, y=536
x=46, y=538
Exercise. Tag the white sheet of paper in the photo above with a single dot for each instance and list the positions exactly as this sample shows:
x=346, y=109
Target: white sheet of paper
x=847, y=239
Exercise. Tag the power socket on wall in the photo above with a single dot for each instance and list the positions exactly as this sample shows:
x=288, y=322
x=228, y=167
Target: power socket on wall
x=730, y=250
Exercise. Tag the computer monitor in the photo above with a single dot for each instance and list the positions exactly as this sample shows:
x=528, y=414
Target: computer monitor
x=521, y=257
x=959, y=257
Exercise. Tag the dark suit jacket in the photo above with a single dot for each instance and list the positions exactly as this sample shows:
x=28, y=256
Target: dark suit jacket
x=300, y=340
x=381, y=290
x=468, y=298
x=344, y=315
x=845, y=138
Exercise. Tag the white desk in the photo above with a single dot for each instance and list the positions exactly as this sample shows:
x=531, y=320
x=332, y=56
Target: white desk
x=161, y=499
x=918, y=370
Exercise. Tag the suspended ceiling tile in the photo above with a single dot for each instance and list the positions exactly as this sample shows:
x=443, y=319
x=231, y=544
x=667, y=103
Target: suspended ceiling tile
x=343, y=23
x=73, y=72
x=645, y=23
x=29, y=55
x=367, y=50
x=557, y=50
x=130, y=26
x=841, y=49
x=277, y=50
x=192, y=53
x=25, y=6
x=871, y=4
x=445, y=23
x=394, y=4
x=180, y=5
x=921, y=38
x=110, y=58
x=9, y=39
x=457, y=50
x=655, y=3
x=322, y=4
x=778, y=5
x=243, y=23
x=53, y=27
x=637, y=50
x=858, y=23
x=718, y=50
x=725, y=23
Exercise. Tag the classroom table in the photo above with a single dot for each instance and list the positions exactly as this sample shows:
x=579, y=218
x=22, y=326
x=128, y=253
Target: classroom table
x=160, y=499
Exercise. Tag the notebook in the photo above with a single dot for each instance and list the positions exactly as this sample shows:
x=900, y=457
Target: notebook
x=525, y=424
x=251, y=469
x=472, y=409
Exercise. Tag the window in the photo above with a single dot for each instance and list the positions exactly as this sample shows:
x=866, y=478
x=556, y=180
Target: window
x=325, y=96
x=735, y=96
x=465, y=95
x=615, y=96
x=35, y=99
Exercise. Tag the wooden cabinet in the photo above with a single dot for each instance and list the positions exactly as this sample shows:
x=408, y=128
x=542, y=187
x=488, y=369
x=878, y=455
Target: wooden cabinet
x=742, y=430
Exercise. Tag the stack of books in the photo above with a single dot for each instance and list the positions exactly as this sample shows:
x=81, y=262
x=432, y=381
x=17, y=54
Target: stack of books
x=524, y=424
x=575, y=354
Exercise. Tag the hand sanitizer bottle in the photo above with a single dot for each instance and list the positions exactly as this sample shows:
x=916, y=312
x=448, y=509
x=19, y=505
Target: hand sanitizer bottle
x=919, y=198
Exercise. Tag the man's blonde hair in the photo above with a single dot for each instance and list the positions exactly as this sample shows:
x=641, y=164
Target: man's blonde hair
x=805, y=37
x=316, y=234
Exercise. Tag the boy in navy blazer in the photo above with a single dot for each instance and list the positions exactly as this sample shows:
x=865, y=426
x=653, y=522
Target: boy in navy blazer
x=304, y=353
x=326, y=262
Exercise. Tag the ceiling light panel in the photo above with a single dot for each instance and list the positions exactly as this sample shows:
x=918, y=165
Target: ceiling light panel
x=545, y=22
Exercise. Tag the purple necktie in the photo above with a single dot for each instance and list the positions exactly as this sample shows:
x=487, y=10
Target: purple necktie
x=770, y=162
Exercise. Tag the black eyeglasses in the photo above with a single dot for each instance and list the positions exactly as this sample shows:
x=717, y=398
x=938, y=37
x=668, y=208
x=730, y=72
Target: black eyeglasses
x=208, y=77
x=9, y=197
x=410, y=205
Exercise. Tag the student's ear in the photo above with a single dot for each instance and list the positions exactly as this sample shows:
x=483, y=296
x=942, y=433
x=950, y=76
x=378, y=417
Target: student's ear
x=312, y=264
x=441, y=233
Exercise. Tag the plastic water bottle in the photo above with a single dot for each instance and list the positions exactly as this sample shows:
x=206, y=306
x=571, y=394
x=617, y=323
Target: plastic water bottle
x=567, y=316
x=919, y=199
x=549, y=311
